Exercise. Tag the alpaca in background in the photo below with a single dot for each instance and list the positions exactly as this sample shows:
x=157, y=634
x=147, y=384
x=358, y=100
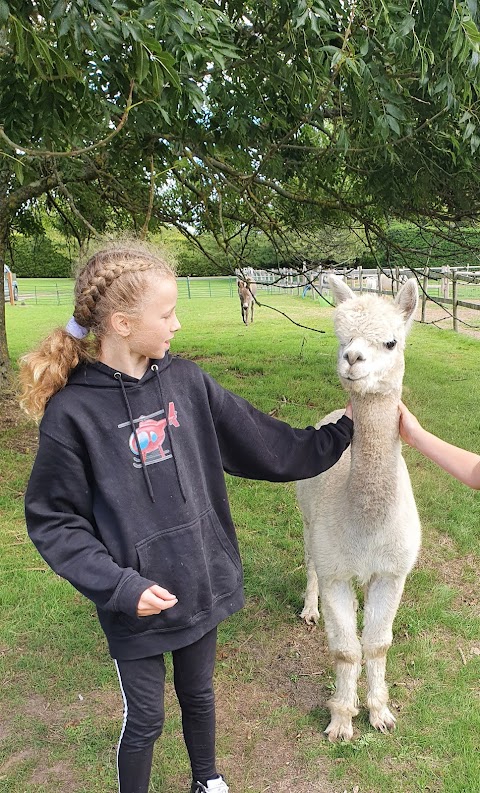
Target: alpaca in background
x=246, y=292
x=360, y=518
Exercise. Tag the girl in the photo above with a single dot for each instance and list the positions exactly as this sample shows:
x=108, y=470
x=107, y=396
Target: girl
x=127, y=497
x=463, y=465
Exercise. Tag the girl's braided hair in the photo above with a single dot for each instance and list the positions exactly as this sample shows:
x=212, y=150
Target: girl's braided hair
x=113, y=279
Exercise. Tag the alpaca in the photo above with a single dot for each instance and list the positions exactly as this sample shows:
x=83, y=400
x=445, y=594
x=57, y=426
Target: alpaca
x=360, y=518
x=246, y=292
x=387, y=283
x=390, y=283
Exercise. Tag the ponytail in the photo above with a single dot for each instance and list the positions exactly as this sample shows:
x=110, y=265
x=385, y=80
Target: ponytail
x=45, y=371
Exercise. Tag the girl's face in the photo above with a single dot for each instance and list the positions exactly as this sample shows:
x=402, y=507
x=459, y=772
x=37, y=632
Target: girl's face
x=152, y=332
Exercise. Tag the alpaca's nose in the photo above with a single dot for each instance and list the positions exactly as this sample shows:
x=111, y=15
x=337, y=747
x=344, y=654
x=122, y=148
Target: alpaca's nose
x=352, y=356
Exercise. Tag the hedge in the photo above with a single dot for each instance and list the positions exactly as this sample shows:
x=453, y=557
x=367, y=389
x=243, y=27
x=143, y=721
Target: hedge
x=38, y=257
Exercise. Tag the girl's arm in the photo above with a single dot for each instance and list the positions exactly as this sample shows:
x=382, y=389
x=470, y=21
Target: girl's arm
x=460, y=463
x=256, y=445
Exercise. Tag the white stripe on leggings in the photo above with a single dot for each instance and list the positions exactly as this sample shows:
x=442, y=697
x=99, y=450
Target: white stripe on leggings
x=125, y=714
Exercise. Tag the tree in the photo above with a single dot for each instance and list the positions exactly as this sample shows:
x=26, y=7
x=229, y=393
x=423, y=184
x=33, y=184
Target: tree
x=279, y=118
x=82, y=86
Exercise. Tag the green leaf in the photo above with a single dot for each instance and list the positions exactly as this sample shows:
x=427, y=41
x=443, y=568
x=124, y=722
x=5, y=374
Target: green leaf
x=364, y=47
x=65, y=25
x=19, y=172
x=4, y=12
x=395, y=111
x=167, y=62
x=472, y=31
x=393, y=123
x=343, y=140
x=407, y=25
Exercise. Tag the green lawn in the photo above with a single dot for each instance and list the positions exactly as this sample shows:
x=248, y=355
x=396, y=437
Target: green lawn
x=60, y=711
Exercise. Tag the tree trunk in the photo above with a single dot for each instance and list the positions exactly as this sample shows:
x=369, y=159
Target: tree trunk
x=5, y=365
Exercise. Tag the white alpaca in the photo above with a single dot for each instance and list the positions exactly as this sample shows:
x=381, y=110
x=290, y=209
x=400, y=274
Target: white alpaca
x=390, y=283
x=360, y=518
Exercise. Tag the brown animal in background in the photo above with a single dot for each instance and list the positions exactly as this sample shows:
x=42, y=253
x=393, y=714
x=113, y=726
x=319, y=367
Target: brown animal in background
x=246, y=292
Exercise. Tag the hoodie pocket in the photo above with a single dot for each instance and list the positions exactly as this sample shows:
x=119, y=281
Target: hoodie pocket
x=196, y=562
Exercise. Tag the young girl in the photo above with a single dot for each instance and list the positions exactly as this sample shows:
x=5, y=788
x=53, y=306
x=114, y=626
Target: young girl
x=127, y=497
x=460, y=463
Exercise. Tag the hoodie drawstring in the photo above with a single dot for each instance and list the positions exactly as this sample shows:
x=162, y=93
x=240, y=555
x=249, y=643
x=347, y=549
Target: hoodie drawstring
x=118, y=377
x=154, y=368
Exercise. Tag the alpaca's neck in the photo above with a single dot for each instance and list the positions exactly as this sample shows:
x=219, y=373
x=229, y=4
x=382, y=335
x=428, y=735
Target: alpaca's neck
x=376, y=451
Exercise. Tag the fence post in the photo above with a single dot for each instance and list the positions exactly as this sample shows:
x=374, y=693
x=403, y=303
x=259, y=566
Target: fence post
x=425, y=292
x=445, y=282
x=360, y=279
x=188, y=288
x=58, y=296
x=455, y=301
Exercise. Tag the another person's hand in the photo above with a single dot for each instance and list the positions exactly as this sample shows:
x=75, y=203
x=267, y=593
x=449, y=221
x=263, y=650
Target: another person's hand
x=409, y=426
x=349, y=411
x=154, y=600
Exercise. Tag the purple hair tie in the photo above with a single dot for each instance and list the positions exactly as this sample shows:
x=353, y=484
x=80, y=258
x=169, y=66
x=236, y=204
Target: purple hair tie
x=74, y=329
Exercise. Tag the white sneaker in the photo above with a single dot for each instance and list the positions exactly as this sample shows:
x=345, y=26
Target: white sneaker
x=213, y=786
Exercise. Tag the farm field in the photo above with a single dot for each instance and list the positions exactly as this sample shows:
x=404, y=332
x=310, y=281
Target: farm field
x=60, y=708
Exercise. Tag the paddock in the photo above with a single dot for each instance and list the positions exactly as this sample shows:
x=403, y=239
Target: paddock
x=273, y=676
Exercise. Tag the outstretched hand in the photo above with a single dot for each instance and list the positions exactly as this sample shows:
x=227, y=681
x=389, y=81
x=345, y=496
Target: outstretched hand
x=349, y=411
x=409, y=426
x=154, y=600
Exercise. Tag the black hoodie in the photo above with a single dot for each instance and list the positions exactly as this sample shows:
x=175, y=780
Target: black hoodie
x=113, y=521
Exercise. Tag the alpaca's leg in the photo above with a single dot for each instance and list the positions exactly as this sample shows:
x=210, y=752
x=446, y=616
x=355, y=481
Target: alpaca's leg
x=339, y=608
x=382, y=598
x=310, y=612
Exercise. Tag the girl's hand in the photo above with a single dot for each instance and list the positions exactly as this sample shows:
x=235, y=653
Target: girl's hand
x=154, y=600
x=349, y=411
x=409, y=427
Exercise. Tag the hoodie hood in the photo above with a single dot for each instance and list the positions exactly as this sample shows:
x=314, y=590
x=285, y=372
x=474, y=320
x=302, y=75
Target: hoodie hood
x=100, y=375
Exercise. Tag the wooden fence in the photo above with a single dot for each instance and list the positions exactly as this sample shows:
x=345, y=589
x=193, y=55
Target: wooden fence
x=442, y=286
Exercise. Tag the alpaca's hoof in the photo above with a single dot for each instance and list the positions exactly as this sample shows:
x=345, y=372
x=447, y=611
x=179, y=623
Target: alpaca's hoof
x=339, y=729
x=310, y=615
x=383, y=720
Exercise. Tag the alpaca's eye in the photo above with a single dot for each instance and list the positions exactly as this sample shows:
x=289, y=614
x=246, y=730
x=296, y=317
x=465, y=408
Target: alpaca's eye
x=390, y=344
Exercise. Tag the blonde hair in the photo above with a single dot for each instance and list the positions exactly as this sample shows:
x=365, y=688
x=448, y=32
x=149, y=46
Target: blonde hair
x=113, y=279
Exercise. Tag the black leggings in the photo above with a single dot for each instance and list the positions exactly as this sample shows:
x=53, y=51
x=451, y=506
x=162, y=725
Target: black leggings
x=142, y=683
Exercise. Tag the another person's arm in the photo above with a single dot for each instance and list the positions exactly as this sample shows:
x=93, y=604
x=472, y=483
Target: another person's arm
x=460, y=463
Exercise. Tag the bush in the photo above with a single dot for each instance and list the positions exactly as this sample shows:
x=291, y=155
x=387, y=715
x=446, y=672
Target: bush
x=423, y=247
x=38, y=257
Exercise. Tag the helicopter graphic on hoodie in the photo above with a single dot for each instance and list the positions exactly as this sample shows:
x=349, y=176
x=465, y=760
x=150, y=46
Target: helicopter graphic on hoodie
x=151, y=437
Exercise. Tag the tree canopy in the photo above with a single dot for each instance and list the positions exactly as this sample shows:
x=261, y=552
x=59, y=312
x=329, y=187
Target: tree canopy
x=280, y=117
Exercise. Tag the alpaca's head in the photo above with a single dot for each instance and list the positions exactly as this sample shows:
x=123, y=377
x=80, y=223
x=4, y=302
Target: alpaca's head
x=372, y=332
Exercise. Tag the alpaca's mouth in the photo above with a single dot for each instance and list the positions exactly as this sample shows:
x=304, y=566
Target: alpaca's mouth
x=353, y=378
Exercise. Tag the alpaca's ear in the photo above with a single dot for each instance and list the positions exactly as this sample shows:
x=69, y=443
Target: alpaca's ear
x=340, y=289
x=407, y=300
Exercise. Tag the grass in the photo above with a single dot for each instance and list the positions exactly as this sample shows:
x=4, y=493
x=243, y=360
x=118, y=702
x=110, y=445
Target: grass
x=59, y=704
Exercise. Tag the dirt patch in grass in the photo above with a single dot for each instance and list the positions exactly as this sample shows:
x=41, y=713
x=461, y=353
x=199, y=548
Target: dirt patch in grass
x=290, y=673
x=18, y=432
x=441, y=317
